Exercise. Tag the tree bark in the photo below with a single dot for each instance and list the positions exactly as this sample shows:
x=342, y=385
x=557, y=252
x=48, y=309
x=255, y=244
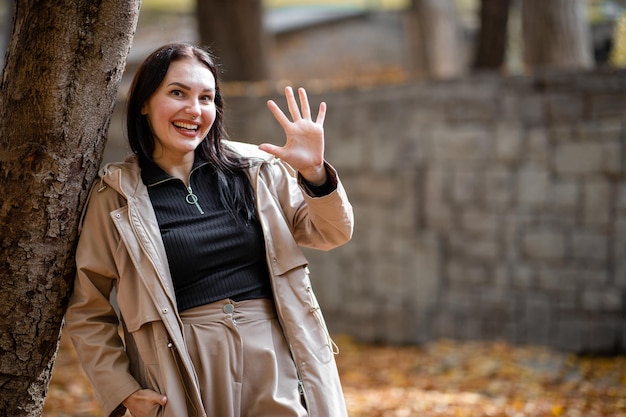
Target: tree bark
x=434, y=38
x=556, y=34
x=234, y=30
x=63, y=66
x=492, y=38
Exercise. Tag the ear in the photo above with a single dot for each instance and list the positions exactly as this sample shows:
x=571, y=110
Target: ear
x=144, y=111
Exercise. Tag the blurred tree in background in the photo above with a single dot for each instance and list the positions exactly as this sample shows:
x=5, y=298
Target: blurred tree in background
x=493, y=34
x=553, y=34
x=234, y=30
x=556, y=34
x=434, y=38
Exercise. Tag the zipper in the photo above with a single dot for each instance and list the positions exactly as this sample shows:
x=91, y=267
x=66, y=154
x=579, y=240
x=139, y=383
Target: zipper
x=192, y=199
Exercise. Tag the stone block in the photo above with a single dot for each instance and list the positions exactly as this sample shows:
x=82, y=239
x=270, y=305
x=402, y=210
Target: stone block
x=582, y=158
x=564, y=108
x=532, y=110
x=443, y=325
x=600, y=131
x=437, y=210
x=603, y=336
x=466, y=274
x=522, y=276
x=508, y=143
x=423, y=274
x=607, y=105
x=499, y=187
x=621, y=197
x=537, y=146
x=607, y=300
x=597, y=202
x=544, y=244
x=590, y=246
x=480, y=222
x=566, y=195
x=458, y=145
x=467, y=186
x=557, y=278
x=473, y=248
x=559, y=134
x=619, y=253
x=570, y=333
x=533, y=184
x=472, y=109
x=538, y=317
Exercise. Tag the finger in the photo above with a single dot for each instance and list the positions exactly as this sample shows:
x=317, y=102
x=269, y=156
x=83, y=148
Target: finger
x=321, y=115
x=304, y=104
x=155, y=397
x=292, y=104
x=278, y=113
x=277, y=151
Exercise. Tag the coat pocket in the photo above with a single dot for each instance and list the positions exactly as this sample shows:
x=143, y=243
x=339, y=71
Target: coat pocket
x=143, y=347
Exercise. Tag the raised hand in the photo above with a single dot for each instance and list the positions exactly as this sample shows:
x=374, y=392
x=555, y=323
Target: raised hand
x=304, y=146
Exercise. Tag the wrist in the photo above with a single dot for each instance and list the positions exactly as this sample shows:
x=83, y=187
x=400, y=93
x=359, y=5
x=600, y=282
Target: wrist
x=315, y=176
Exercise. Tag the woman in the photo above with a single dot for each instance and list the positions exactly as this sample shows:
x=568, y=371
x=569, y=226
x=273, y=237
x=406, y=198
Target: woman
x=200, y=237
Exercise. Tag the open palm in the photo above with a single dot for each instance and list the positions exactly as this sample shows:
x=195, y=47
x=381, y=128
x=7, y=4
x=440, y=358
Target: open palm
x=304, y=146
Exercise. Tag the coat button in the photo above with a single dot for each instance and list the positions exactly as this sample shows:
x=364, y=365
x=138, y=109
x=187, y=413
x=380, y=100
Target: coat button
x=228, y=308
x=165, y=310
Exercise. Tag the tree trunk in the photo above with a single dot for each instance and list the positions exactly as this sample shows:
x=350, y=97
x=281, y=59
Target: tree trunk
x=493, y=36
x=63, y=66
x=234, y=31
x=556, y=34
x=434, y=38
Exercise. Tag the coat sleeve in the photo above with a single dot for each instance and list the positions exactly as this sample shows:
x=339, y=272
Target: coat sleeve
x=91, y=320
x=324, y=222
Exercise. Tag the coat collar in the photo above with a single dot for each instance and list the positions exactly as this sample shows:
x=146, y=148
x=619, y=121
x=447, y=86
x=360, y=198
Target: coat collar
x=152, y=174
x=126, y=177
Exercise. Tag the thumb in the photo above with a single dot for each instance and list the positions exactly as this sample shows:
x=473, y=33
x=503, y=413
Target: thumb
x=155, y=397
x=277, y=151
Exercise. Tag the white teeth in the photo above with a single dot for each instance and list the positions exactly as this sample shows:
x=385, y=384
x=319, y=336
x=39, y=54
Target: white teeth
x=187, y=126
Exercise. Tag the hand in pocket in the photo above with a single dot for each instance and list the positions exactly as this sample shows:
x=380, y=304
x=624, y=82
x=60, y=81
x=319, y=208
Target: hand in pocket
x=144, y=403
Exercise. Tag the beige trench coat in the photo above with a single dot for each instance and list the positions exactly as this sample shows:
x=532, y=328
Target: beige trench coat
x=120, y=247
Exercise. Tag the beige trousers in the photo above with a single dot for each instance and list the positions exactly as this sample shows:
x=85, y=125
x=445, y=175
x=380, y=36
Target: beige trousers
x=242, y=360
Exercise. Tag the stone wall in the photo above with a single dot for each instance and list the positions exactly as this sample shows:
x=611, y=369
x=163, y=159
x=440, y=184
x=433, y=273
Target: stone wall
x=486, y=208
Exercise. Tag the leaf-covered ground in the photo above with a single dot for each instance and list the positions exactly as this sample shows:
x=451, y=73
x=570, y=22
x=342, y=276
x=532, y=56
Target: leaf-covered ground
x=445, y=378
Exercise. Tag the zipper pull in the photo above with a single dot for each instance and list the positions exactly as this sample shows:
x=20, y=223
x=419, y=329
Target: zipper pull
x=192, y=199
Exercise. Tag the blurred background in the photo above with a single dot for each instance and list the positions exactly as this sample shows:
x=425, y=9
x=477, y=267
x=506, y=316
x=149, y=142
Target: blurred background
x=483, y=146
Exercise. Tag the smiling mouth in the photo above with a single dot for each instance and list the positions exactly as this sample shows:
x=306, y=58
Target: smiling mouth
x=186, y=126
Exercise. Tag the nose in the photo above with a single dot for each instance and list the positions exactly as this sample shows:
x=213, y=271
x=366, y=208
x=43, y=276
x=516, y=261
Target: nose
x=193, y=108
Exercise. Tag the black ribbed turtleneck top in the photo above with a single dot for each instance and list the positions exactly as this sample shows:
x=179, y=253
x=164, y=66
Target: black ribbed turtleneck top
x=211, y=255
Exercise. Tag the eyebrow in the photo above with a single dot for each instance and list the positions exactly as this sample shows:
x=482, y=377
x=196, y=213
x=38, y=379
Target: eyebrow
x=186, y=87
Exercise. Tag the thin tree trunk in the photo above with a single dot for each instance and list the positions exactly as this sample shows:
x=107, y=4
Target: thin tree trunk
x=493, y=36
x=234, y=30
x=64, y=63
x=556, y=34
x=434, y=38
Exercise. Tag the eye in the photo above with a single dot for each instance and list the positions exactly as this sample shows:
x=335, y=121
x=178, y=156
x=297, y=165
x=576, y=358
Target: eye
x=176, y=93
x=207, y=98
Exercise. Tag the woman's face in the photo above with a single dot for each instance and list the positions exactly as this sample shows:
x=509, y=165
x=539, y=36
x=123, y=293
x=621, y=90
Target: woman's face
x=182, y=110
